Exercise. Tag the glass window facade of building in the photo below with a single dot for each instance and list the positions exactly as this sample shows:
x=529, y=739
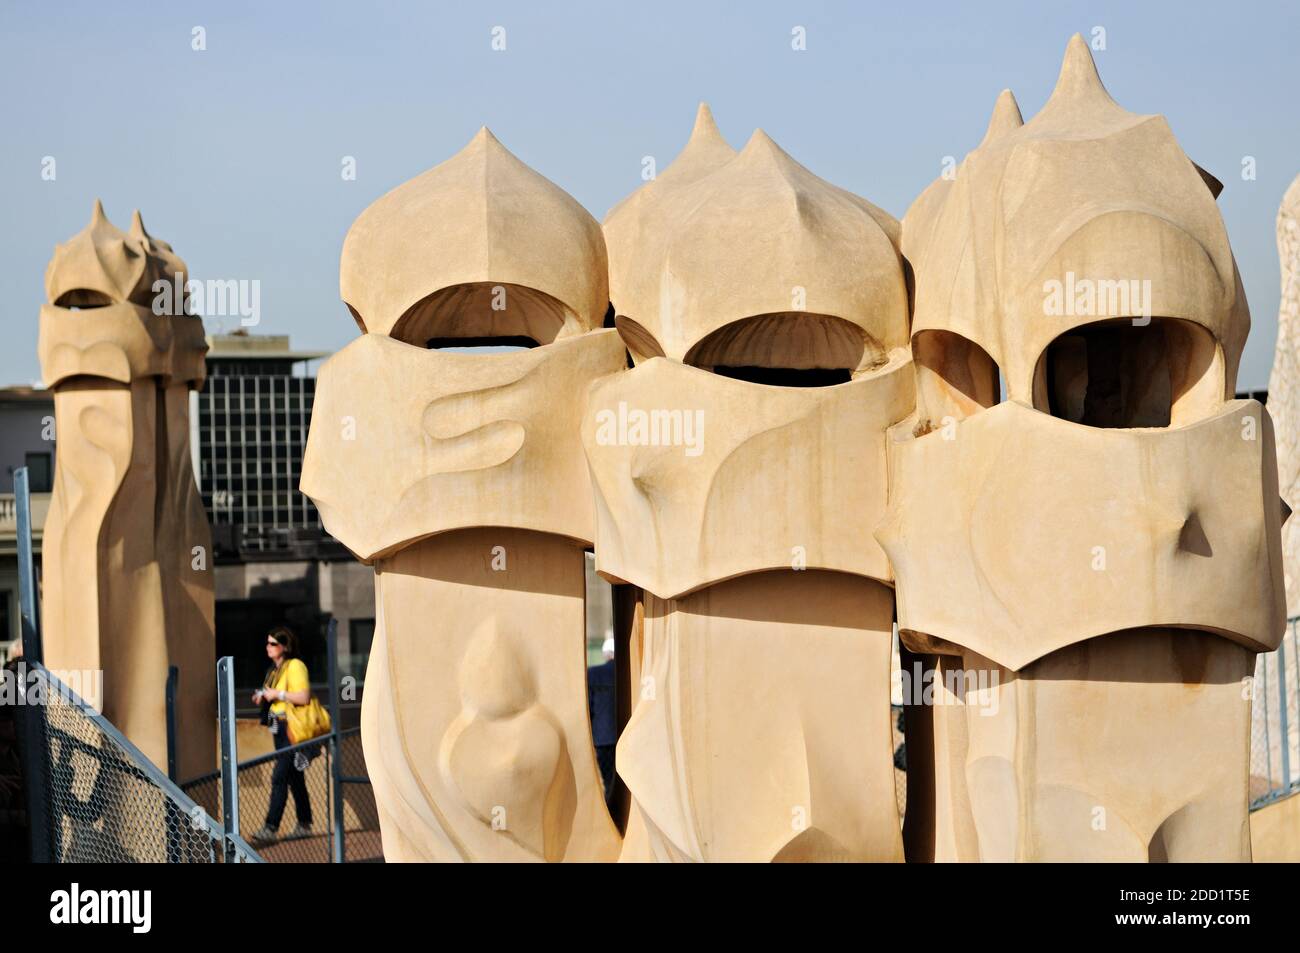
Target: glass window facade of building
x=253, y=415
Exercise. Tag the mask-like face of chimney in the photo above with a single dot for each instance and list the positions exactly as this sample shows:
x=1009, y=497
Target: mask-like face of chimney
x=444, y=449
x=739, y=470
x=1080, y=509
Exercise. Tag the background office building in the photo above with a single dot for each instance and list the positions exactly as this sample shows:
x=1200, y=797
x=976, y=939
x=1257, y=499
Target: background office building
x=26, y=440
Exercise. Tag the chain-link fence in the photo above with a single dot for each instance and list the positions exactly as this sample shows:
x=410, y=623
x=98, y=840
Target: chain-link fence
x=102, y=800
x=313, y=801
x=1275, y=722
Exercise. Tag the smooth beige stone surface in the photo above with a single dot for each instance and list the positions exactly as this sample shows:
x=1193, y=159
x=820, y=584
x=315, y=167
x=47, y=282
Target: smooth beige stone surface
x=638, y=223
x=101, y=580
x=480, y=218
x=1099, y=753
x=1106, y=540
x=1110, y=556
x=123, y=342
x=759, y=262
x=1284, y=386
x=474, y=720
x=102, y=265
x=952, y=835
x=756, y=487
x=1087, y=188
x=762, y=728
x=461, y=477
x=127, y=554
x=188, y=605
x=444, y=441
x=1284, y=407
x=998, y=527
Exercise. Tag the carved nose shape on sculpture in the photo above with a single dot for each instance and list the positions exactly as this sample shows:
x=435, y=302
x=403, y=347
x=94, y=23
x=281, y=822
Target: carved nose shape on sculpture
x=993, y=528
x=1192, y=539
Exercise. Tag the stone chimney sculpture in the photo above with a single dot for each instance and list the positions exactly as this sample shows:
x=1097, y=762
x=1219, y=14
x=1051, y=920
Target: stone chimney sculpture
x=1284, y=385
x=1008, y=421
x=1284, y=408
x=127, y=547
x=739, y=471
x=461, y=479
x=1092, y=561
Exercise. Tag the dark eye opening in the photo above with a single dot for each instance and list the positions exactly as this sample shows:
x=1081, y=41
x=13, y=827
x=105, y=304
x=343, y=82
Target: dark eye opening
x=788, y=349
x=1118, y=375
x=484, y=315
x=787, y=376
x=83, y=299
x=514, y=342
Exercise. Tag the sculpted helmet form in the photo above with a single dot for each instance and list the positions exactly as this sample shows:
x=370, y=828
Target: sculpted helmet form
x=1073, y=520
x=1102, y=542
x=460, y=477
x=127, y=547
x=766, y=313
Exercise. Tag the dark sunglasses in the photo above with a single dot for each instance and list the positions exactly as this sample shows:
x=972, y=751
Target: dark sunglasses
x=274, y=642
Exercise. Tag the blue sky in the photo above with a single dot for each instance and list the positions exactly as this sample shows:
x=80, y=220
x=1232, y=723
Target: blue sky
x=234, y=153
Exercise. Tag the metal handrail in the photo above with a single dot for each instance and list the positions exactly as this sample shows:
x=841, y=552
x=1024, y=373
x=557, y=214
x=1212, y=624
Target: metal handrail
x=272, y=755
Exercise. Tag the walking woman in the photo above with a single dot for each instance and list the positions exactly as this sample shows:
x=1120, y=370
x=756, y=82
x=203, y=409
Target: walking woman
x=286, y=684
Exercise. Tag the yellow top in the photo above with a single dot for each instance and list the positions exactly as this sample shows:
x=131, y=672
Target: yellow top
x=291, y=676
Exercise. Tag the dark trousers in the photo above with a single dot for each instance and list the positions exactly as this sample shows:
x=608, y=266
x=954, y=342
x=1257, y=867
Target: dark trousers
x=605, y=762
x=284, y=778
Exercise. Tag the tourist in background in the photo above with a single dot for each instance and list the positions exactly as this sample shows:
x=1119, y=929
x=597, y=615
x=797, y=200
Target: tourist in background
x=287, y=683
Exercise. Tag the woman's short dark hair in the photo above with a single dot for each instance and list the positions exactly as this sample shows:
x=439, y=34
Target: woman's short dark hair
x=284, y=635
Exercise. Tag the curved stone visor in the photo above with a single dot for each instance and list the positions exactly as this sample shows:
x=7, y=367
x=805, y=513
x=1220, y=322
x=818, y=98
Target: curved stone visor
x=1015, y=534
x=1106, y=270
x=481, y=216
x=701, y=478
x=407, y=442
x=763, y=236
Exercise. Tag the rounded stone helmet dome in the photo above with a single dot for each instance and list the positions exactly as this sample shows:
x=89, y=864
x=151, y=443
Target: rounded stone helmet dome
x=479, y=246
